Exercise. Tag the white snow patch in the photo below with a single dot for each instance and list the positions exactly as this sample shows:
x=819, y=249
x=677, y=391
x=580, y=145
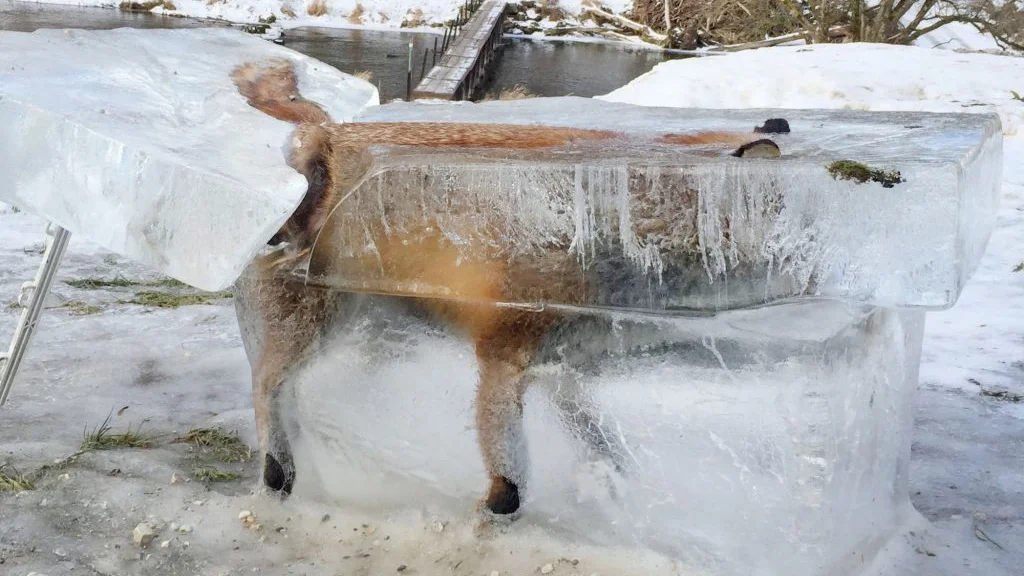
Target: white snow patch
x=856, y=76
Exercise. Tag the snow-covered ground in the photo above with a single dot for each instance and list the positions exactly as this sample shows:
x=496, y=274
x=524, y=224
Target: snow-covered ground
x=175, y=369
x=371, y=14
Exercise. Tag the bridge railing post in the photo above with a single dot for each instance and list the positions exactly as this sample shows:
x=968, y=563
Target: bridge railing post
x=423, y=66
x=408, y=77
x=34, y=295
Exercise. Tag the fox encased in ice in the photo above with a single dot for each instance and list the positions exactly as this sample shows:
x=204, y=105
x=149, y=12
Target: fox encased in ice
x=333, y=157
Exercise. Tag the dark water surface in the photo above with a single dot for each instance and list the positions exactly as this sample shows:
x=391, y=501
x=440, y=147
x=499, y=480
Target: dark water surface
x=544, y=68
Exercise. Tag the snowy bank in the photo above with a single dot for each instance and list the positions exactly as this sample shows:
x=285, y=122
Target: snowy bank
x=852, y=76
x=373, y=14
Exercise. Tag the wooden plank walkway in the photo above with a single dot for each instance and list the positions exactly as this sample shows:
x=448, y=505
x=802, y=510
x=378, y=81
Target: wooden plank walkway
x=465, y=64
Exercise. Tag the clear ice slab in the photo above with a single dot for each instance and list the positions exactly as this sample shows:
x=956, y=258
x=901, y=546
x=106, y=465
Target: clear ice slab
x=656, y=227
x=138, y=141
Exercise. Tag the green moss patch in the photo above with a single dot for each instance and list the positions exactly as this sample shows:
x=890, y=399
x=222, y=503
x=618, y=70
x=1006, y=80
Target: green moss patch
x=861, y=173
x=172, y=300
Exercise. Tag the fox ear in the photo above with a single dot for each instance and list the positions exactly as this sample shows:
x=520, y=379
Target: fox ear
x=763, y=148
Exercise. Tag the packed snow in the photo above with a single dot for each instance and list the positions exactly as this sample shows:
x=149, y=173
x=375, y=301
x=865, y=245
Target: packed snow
x=857, y=76
x=185, y=367
x=152, y=142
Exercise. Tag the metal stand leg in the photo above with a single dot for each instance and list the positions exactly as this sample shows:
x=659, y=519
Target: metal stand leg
x=38, y=289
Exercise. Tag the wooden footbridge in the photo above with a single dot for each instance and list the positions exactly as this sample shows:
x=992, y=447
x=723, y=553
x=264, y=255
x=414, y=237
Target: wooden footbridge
x=468, y=53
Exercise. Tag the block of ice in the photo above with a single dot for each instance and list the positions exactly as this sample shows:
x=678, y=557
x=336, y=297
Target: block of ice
x=766, y=441
x=748, y=440
x=138, y=140
x=642, y=225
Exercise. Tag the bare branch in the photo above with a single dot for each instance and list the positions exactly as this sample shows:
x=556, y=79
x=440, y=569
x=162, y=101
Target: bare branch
x=833, y=32
x=881, y=19
x=901, y=9
x=917, y=33
x=794, y=9
x=922, y=13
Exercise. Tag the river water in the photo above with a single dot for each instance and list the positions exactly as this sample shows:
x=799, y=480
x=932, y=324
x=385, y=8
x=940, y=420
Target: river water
x=545, y=68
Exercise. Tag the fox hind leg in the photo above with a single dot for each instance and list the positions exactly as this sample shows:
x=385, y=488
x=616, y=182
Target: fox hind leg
x=499, y=417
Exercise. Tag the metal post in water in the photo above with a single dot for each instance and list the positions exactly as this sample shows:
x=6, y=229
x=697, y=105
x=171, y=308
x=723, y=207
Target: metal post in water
x=433, y=57
x=423, y=66
x=444, y=42
x=408, y=77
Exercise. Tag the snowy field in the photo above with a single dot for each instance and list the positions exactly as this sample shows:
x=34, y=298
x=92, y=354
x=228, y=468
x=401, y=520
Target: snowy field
x=174, y=369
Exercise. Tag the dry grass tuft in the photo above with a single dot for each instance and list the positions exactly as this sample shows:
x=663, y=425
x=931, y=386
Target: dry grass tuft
x=356, y=17
x=13, y=481
x=517, y=92
x=224, y=446
x=366, y=75
x=97, y=283
x=318, y=8
x=129, y=6
x=103, y=438
x=414, y=18
x=79, y=308
x=211, y=474
x=171, y=300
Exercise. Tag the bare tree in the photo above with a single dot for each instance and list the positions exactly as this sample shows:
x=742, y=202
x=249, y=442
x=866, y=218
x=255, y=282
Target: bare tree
x=753, y=23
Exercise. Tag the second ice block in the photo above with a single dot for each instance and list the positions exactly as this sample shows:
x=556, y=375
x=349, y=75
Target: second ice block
x=885, y=209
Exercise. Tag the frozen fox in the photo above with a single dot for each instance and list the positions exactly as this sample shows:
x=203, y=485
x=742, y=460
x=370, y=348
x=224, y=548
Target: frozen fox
x=290, y=316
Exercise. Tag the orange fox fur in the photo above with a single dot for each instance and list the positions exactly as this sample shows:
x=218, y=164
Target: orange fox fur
x=333, y=157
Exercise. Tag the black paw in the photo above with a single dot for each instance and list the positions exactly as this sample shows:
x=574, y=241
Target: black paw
x=763, y=148
x=276, y=476
x=773, y=126
x=504, y=497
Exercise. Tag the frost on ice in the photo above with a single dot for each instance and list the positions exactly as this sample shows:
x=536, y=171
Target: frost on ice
x=664, y=228
x=138, y=140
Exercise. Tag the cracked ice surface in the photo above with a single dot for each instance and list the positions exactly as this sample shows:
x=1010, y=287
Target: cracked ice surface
x=660, y=228
x=138, y=141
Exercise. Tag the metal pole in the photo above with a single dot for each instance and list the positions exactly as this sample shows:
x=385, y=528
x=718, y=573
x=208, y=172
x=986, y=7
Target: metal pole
x=9, y=364
x=433, y=56
x=423, y=66
x=408, y=76
x=444, y=42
